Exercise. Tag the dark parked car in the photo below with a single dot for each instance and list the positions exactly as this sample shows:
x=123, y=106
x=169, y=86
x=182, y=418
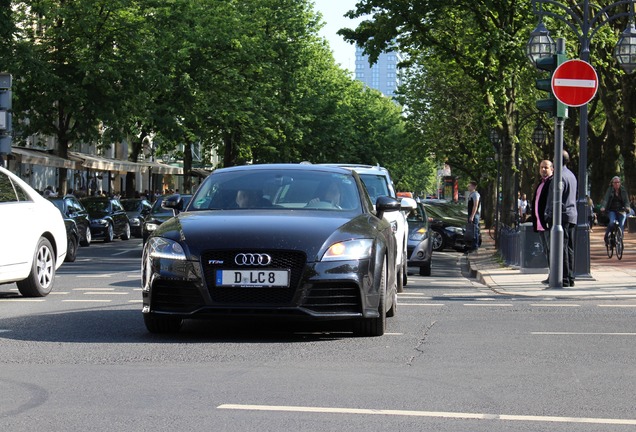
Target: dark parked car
x=72, y=240
x=448, y=223
x=288, y=253
x=159, y=215
x=420, y=243
x=72, y=208
x=108, y=218
x=137, y=210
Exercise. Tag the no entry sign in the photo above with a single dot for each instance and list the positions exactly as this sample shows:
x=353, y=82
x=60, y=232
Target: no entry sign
x=574, y=83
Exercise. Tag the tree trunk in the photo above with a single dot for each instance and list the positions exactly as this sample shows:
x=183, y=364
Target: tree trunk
x=187, y=167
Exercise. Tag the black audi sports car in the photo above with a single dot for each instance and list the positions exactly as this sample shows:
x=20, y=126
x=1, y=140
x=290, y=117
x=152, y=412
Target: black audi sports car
x=289, y=241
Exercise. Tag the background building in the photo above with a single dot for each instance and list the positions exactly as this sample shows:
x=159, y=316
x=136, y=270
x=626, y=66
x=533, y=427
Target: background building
x=383, y=75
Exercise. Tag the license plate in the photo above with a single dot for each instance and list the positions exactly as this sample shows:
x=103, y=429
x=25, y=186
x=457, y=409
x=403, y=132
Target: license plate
x=252, y=278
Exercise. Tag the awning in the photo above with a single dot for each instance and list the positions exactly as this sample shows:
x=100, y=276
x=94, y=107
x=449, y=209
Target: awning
x=101, y=163
x=39, y=157
x=159, y=168
x=200, y=172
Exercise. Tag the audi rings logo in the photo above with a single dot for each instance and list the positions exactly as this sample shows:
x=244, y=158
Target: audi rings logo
x=252, y=259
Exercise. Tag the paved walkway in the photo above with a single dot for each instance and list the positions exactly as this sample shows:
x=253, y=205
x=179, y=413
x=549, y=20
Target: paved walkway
x=611, y=278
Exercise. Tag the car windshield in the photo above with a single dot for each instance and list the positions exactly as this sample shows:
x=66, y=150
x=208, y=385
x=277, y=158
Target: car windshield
x=277, y=189
x=131, y=205
x=159, y=211
x=376, y=185
x=97, y=207
x=59, y=204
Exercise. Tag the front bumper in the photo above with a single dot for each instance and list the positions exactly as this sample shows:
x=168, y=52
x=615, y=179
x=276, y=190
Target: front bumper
x=317, y=290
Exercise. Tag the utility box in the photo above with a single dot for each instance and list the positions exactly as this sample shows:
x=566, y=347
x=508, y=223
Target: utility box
x=533, y=255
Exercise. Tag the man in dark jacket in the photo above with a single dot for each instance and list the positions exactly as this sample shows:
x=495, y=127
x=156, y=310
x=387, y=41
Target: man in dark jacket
x=568, y=218
x=538, y=204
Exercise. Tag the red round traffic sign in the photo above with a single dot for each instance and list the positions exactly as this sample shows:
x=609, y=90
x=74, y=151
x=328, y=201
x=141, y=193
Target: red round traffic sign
x=574, y=83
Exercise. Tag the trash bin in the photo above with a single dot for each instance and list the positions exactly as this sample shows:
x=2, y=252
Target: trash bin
x=533, y=255
x=631, y=224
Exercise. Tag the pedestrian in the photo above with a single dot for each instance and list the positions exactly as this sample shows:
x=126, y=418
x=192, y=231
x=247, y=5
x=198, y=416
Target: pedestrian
x=616, y=202
x=568, y=218
x=522, y=205
x=537, y=207
x=474, y=210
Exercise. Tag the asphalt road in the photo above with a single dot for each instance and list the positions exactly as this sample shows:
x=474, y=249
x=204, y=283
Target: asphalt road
x=457, y=357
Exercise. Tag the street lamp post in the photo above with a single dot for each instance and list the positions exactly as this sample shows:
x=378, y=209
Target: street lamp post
x=495, y=139
x=584, y=27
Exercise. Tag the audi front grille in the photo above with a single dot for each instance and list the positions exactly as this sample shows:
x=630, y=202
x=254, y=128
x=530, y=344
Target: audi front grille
x=225, y=259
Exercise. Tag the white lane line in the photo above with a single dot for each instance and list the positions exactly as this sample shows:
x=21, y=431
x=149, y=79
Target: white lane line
x=59, y=293
x=389, y=334
x=95, y=276
x=105, y=293
x=413, y=294
x=420, y=304
x=93, y=289
x=20, y=300
x=581, y=334
x=135, y=276
x=408, y=297
x=439, y=414
x=120, y=253
x=618, y=306
x=140, y=301
x=88, y=301
x=554, y=305
x=489, y=304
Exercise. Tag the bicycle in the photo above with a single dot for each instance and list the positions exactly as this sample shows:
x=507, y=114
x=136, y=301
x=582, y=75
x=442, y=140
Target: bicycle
x=615, y=241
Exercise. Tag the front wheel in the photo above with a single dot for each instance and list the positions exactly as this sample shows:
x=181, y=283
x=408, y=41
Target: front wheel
x=110, y=234
x=619, y=243
x=126, y=234
x=39, y=283
x=438, y=240
x=375, y=326
x=71, y=249
x=88, y=237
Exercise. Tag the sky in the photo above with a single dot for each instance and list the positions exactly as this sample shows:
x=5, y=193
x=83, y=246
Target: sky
x=332, y=12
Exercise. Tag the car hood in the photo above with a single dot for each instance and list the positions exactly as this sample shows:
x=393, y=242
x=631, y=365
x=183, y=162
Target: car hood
x=311, y=232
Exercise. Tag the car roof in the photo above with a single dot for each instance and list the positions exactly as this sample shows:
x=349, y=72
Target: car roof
x=361, y=168
x=288, y=166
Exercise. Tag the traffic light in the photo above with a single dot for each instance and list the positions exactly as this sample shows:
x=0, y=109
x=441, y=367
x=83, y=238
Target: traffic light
x=550, y=105
x=5, y=113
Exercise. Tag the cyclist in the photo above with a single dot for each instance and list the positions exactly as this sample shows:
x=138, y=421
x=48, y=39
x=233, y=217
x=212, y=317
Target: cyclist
x=616, y=202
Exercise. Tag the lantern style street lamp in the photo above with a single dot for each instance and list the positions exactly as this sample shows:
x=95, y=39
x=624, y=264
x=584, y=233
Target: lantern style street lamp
x=539, y=135
x=540, y=44
x=584, y=23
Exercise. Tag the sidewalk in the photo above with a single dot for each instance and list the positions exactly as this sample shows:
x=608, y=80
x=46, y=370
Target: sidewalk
x=611, y=278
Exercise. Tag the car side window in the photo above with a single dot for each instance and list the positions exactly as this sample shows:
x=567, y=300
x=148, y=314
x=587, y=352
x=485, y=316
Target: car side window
x=7, y=193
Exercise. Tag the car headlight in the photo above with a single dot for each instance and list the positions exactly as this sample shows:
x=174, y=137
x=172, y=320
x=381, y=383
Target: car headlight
x=456, y=230
x=159, y=247
x=419, y=235
x=151, y=226
x=101, y=222
x=135, y=222
x=349, y=250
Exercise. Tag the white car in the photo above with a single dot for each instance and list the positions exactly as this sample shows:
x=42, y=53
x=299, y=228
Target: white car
x=33, y=237
x=378, y=183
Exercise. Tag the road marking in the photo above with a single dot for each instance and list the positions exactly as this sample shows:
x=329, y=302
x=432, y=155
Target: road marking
x=618, y=306
x=26, y=300
x=489, y=304
x=105, y=293
x=439, y=414
x=135, y=301
x=95, y=276
x=413, y=294
x=88, y=301
x=59, y=293
x=554, y=305
x=581, y=334
x=389, y=334
x=420, y=304
x=121, y=253
x=93, y=289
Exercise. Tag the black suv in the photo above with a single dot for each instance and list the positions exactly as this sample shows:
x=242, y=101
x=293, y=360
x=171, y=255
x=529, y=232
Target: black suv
x=108, y=218
x=72, y=208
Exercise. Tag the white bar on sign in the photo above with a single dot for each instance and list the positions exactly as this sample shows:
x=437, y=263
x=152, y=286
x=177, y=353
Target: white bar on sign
x=563, y=82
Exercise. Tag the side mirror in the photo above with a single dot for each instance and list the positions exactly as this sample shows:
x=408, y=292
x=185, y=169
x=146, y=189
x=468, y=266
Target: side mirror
x=408, y=204
x=174, y=203
x=386, y=204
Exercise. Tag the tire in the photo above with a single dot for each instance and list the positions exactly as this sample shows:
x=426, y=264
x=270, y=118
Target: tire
x=619, y=244
x=425, y=270
x=405, y=271
x=162, y=323
x=39, y=283
x=438, y=240
x=110, y=234
x=88, y=237
x=394, y=306
x=71, y=249
x=610, y=247
x=375, y=326
x=126, y=234
x=399, y=281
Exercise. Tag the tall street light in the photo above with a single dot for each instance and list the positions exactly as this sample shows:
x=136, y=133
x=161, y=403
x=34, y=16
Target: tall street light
x=584, y=27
